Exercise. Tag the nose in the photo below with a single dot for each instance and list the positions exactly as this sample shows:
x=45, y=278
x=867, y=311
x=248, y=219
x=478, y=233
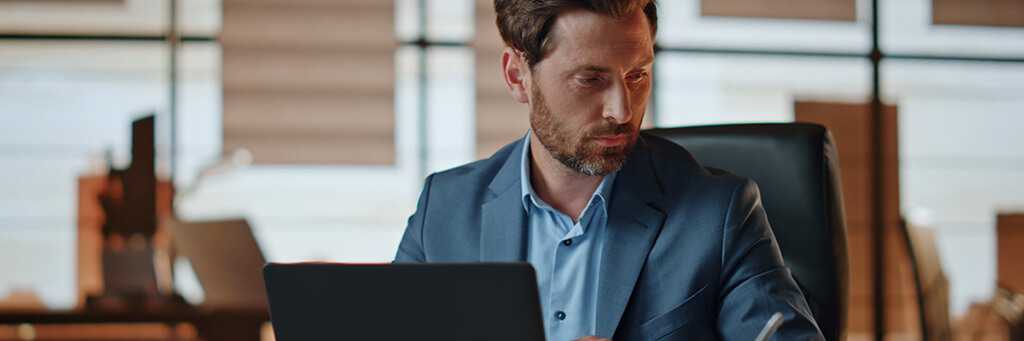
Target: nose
x=616, y=106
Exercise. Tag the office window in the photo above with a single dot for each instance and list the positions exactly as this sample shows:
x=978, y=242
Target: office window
x=352, y=209
x=309, y=82
x=960, y=161
x=789, y=9
x=129, y=18
x=681, y=24
x=910, y=27
x=66, y=105
x=708, y=88
x=984, y=12
x=73, y=76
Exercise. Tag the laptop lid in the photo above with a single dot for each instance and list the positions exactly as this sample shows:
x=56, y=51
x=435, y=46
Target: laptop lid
x=226, y=260
x=480, y=301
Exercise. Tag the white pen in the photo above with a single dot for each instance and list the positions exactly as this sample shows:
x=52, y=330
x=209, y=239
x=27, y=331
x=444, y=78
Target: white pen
x=770, y=327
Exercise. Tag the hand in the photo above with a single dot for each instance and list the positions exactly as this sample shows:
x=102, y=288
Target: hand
x=592, y=338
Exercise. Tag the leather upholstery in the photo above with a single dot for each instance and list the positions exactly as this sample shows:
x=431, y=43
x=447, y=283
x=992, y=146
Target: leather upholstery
x=797, y=170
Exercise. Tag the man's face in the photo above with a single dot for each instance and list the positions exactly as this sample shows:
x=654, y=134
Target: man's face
x=588, y=95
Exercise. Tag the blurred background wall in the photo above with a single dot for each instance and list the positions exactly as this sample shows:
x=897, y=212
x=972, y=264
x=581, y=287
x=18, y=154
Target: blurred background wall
x=346, y=105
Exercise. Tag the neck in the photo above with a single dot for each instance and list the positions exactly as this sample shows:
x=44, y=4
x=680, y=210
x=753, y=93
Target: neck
x=565, y=189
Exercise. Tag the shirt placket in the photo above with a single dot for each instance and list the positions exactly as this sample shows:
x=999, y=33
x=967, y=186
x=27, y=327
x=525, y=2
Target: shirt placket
x=563, y=277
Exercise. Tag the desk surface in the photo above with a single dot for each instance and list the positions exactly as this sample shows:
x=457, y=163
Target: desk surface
x=169, y=316
x=211, y=325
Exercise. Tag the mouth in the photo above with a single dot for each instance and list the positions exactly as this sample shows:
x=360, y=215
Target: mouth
x=610, y=141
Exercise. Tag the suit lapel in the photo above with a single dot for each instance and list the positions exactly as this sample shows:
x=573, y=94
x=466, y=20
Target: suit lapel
x=503, y=219
x=632, y=227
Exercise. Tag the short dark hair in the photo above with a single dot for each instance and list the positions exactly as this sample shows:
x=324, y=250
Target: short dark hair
x=525, y=25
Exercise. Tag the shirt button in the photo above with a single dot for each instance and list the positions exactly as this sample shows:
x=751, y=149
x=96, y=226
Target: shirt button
x=560, y=315
x=567, y=242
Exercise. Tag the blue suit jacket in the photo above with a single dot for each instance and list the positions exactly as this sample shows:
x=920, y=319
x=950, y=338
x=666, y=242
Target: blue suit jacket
x=688, y=253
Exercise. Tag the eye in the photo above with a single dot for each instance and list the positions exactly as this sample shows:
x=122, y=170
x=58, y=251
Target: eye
x=636, y=77
x=588, y=80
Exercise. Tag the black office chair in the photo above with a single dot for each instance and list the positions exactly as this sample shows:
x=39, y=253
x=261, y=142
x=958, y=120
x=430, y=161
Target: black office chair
x=796, y=167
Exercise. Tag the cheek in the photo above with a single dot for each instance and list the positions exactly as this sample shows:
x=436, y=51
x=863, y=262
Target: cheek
x=575, y=108
x=639, y=99
x=640, y=94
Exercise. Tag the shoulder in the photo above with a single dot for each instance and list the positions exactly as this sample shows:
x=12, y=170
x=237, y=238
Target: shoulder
x=478, y=175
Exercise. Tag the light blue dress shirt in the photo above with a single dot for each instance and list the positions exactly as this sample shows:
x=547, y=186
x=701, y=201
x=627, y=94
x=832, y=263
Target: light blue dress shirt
x=566, y=256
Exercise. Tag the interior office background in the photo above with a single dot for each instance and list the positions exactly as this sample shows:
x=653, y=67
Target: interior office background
x=347, y=105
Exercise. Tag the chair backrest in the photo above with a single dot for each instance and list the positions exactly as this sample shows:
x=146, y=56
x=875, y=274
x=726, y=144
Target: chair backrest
x=796, y=168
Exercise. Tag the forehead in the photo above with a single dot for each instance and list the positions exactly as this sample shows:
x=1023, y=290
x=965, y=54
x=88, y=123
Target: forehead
x=580, y=36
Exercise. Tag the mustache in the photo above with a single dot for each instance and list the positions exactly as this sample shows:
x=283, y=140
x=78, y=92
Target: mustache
x=613, y=129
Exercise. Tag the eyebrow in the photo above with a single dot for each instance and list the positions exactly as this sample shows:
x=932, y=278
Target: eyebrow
x=645, y=61
x=593, y=68
x=602, y=69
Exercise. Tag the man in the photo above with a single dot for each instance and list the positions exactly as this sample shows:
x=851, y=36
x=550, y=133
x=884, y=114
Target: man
x=630, y=237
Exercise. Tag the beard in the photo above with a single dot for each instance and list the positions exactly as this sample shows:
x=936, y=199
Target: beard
x=574, y=147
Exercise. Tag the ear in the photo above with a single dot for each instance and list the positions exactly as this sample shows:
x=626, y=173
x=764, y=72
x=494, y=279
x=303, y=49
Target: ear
x=517, y=74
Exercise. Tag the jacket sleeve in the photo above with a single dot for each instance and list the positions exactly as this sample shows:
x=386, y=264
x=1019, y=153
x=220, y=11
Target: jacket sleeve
x=755, y=282
x=410, y=250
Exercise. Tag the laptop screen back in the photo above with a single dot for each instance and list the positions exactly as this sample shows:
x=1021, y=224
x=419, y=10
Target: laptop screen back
x=483, y=301
x=226, y=260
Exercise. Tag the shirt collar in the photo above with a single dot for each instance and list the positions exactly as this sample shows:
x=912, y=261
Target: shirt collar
x=603, y=192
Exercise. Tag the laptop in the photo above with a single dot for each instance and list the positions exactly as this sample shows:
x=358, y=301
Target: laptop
x=479, y=301
x=227, y=261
